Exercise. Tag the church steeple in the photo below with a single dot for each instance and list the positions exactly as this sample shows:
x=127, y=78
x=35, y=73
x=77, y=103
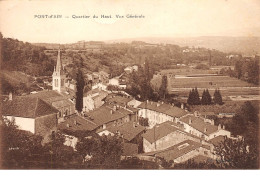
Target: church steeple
x=58, y=76
x=59, y=64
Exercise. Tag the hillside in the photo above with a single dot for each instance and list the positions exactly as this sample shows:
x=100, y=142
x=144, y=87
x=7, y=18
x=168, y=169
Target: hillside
x=243, y=45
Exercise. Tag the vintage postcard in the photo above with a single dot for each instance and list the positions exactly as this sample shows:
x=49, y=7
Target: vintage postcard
x=120, y=84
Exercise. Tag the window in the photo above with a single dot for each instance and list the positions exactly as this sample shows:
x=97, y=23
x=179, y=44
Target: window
x=56, y=82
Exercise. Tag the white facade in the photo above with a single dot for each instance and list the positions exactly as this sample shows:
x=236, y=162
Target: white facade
x=99, y=86
x=58, y=76
x=88, y=104
x=154, y=117
x=114, y=81
x=70, y=141
x=27, y=124
x=194, y=131
x=58, y=82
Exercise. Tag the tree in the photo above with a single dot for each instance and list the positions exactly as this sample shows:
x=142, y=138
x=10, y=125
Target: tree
x=163, y=91
x=19, y=147
x=190, y=98
x=80, y=88
x=236, y=154
x=100, y=152
x=194, y=98
x=56, y=154
x=238, y=69
x=217, y=97
x=206, y=98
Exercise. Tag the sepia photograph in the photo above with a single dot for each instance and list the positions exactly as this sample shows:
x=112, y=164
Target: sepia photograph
x=129, y=85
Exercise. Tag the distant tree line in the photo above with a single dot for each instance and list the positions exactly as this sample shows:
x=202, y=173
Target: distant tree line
x=245, y=69
x=25, y=57
x=194, y=98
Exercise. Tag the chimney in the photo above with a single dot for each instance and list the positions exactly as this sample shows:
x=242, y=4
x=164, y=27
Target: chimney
x=68, y=125
x=190, y=121
x=205, y=129
x=158, y=104
x=175, y=120
x=111, y=111
x=114, y=107
x=75, y=122
x=223, y=127
x=182, y=106
x=212, y=122
x=172, y=104
x=10, y=96
x=162, y=102
x=219, y=127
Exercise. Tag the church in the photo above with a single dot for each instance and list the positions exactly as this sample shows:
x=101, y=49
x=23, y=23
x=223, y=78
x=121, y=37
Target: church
x=59, y=97
x=40, y=113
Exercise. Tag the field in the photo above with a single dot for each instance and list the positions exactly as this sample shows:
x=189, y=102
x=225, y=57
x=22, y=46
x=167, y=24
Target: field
x=183, y=80
x=229, y=87
x=209, y=82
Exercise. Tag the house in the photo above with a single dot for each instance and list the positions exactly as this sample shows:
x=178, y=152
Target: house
x=75, y=123
x=102, y=86
x=157, y=112
x=57, y=100
x=181, y=152
x=134, y=103
x=128, y=70
x=227, y=110
x=114, y=81
x=106, y=116
x=116, y=99
x=125, y=102
x=165, y=135
x=203, y=128
x=119, y=81
x=70, y=84
x=93, y=99
x=31, y=114
x=131, y=132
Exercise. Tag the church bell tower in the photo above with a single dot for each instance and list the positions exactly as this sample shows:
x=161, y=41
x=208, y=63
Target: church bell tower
x=58, y=76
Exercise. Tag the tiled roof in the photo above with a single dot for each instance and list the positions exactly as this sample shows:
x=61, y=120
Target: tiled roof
x=93, y=91
x=128, y=130
x=103, y=115
x=52, y=97
x=163, y=108
x=160, y=131
x=217, y=140
x=199, y=124
x=120, y=100
x=81, y=124
x=28, y=107
x=175, y=151
x=164, y=129
x=226, y=108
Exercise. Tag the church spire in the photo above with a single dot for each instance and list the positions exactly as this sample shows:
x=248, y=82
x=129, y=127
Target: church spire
x=59, y=64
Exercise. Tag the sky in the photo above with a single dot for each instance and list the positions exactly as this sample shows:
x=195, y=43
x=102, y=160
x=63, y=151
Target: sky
x=167, y=18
